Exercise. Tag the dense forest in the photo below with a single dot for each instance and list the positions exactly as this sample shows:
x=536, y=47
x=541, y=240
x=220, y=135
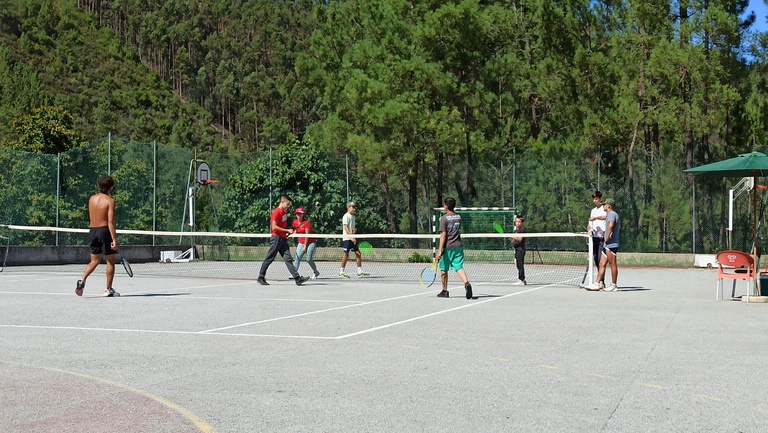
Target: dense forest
x=527, y=103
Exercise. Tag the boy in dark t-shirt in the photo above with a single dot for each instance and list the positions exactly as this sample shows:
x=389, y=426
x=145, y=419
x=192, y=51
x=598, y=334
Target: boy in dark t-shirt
x=519, y=243
x=451, y=253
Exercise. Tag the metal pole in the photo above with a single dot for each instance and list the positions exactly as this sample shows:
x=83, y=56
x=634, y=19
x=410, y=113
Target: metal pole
x=154, y=189
x=270, y=177
x=109, y=154
x=599, y=158
x=693, y=202
x=58, y=192
x=514, y=174
x=347, y=162
x=730, y=217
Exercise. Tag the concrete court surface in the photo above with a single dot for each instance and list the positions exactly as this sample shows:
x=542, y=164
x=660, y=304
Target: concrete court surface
x=217, y=355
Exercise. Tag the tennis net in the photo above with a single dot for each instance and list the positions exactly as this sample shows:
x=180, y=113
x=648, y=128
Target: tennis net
x=551, y=258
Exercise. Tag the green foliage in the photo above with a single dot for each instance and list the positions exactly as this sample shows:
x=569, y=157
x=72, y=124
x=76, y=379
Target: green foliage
x=530, y=103
x=419, y=258
x=297, y=171
x=46, y=130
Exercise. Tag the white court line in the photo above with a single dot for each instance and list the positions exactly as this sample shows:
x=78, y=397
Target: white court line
x=150, y=331
x=183, y=297
x=313, y=312
x=341, y=337
x=37, y=293
x=472, y=304
x=26, y=279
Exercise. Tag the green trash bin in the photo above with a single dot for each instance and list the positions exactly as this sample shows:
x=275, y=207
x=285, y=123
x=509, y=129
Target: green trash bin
x=763, y=283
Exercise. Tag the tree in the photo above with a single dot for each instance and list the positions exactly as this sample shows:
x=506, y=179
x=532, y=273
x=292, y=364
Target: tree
x=46, y=130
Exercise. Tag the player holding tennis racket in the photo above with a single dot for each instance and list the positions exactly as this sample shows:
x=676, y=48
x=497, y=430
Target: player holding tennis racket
x=101, y=210
x=451, y=253
x=349, y=243
x=518, y=242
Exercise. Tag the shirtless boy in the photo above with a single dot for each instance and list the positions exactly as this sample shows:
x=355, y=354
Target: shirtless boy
x=101, y=210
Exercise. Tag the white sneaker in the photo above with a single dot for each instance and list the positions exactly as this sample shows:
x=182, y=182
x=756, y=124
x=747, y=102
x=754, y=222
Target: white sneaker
x=519, y=283
x=594, y=287
x=612, y=288
x=313, y=277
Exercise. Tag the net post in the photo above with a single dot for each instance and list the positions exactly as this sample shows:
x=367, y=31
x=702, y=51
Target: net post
x=590, y=261
x=7, y=249
x=434, y=230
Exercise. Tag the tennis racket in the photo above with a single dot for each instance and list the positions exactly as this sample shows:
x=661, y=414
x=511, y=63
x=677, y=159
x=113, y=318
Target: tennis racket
x=126, y=265
x=498, y=227
x=428, y=275
x=366, y=249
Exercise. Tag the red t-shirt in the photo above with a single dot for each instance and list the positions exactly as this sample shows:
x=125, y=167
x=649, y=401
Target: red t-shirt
x=304, y=227
x=281, y=217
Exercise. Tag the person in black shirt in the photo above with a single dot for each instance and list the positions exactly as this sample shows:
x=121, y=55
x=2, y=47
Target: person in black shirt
x=519, y=243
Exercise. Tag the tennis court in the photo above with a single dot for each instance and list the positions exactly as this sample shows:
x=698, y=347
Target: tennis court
x=190, y=354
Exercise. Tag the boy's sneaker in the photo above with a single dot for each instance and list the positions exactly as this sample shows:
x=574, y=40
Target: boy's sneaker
x=262, y=281
x=612, y=288
x=314, y=276
x=301, y=280
x=343, y=275
x=443, y=294
x=110, y=293
x=362, y=274
x=468, y=288
x=519, y=283
x=80, y=287
x=594, y=287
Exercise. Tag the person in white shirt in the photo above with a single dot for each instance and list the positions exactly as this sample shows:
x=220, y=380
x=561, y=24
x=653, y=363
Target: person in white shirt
x=349, y=243
x=596, y=226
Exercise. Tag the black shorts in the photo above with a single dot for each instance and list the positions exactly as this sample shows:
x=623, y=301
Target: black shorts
x=101, y=241
x=348, y=246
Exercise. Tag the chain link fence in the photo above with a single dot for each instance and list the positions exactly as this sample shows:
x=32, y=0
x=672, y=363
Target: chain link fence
x=659, y=211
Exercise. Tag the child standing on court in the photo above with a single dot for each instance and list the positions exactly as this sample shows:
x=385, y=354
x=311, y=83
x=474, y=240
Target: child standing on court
x=450, y=252
x=301, y=225
x=519, y=244
x=349, y=243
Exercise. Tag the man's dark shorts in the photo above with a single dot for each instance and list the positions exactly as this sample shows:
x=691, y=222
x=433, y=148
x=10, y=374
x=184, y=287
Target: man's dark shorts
x=348, y=246
x=101, y=241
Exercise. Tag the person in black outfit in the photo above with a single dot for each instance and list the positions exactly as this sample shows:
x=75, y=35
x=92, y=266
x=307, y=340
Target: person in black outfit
x=519, y=243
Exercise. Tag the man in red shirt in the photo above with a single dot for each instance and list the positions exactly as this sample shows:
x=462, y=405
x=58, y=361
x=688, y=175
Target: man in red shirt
x=278, y=243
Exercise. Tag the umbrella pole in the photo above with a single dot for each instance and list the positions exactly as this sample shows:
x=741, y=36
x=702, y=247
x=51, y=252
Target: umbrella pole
x=754, y=235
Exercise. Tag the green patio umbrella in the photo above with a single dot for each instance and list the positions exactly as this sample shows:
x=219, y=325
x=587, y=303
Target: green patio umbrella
x=753, y=165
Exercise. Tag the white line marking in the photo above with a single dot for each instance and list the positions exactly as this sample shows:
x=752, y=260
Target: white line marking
x=472, y=304
x=292, y=316
x=150, y=331
x=37, y=293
